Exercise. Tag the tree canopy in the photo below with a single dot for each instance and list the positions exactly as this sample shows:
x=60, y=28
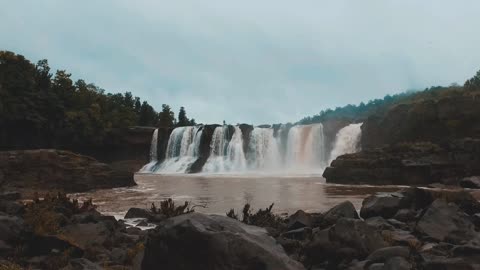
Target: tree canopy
x=41, y=109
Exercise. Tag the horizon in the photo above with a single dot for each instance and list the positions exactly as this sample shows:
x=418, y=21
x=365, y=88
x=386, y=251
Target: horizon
x=292, y=60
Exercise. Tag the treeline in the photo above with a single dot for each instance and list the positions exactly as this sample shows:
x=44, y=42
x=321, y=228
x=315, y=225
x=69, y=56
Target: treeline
x=378, y=107
x=41, y=109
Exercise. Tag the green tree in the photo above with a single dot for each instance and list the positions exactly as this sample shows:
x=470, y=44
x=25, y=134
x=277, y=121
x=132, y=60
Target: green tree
x=166, y=118
x=473, y=83
x=182, y=118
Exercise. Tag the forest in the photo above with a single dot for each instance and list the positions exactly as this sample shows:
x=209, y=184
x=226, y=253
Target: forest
x=39, y=109
x=378, y=107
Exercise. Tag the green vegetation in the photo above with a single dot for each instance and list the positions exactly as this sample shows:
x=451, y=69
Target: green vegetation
x=39, y=109
x=378, y=107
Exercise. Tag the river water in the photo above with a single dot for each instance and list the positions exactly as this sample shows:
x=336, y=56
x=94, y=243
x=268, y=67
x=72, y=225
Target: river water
x=216, y=194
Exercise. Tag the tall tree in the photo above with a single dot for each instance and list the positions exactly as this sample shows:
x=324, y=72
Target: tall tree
x=182, y=118
x=166, y=118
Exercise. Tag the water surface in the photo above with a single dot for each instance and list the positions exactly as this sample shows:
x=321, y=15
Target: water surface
x=216, y=194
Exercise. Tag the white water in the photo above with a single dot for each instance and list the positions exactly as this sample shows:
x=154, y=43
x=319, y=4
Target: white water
x=182, y=150
x=226, y=156
x=347, y=141
x=300, y=150
x=153, y=154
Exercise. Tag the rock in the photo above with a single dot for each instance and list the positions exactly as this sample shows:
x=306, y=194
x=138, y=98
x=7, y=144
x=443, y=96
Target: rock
x=401, y=237
x=379, y=223
x=476, y=220
x=376, y=266
x=49, y=169
x=358, y=235
x=138, y=213
x=343, y=210
x=10, y=196
x=397, y=263
x=11, y=228
x=142, y=223
x=298, y=234
x=321, y=248
x=446, y=222
x=81, y=264
x=12, y=208
x=405, y=215
x=470, y=182
x=381, y=255
x=384, y=205
x=119, y=255
x=299, y=220
x=212, y=242
x=86, y=235
x=442, y=263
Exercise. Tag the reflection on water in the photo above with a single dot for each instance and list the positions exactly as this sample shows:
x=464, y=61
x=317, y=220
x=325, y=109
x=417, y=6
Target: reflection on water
x=219, y=193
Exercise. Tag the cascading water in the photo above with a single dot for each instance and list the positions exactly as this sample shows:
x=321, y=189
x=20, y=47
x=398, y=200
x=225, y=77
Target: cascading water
x=263, y=149
x=306, y=148
x=182, y=150
x=285, y=148
x=347, y=141
x=153, y=154
x=226, y=156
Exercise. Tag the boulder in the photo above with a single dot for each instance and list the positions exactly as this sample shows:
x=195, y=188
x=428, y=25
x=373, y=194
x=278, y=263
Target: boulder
x=49, y=169
x=10, y=228
x=381, y=255
x=81, y=264
x=86, y=235
x=357, y=234
x=384, y=205
x=405, y=215
x=10, y=196
x=198, y=241
x=397, y=263
x=138, y=213
x=299, y=220
x=342, y=210
x=446, y=222
x=470, y=182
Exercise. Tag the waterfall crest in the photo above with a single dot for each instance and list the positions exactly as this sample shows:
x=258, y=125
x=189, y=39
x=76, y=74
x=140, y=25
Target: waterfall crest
x=347, y=141
x=227, y=149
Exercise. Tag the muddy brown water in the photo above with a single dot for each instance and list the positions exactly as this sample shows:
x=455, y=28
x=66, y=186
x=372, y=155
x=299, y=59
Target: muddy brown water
x=216, y=194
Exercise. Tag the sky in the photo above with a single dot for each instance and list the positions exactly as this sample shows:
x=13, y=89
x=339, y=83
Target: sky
x=256, y=62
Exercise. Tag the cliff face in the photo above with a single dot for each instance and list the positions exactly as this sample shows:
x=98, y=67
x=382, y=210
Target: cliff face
x=49, y=169
x=435, y=120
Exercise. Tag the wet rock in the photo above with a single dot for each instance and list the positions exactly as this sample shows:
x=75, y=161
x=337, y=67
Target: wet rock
x=298, y=234
x=299, y=220
x=384, y=205
x=358, y=235
x=397, y=263
x=470, y=182
x=446, y=222
x=381, y=255
x=82, y=264
x=138, y=213
x=197, y=241
x=142, y=223
x=342, y=210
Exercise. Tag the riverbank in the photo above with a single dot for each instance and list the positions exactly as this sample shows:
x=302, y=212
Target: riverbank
x=411, y=229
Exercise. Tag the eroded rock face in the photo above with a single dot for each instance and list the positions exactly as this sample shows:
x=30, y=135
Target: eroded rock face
x=446, y=222
x=49, y=169
x=197, y=241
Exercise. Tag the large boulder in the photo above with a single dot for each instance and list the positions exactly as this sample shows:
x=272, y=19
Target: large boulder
x=299, y=220
x=198, y=241
x=49, y=169
x=357, y=234
x=343, y=210
x=446, y=222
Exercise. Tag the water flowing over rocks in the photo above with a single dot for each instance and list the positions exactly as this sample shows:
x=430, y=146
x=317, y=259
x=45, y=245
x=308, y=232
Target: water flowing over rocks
x=48, y=169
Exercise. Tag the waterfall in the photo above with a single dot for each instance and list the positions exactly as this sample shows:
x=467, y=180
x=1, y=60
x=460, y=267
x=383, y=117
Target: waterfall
x=278, y=149
x=263, y=149
x=347, y=141
x=182, y=150
x=306, y=147
x=226, y=156
x=153, y=154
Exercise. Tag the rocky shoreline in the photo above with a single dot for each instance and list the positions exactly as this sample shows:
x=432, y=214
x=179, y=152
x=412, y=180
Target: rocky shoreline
x=410, y=229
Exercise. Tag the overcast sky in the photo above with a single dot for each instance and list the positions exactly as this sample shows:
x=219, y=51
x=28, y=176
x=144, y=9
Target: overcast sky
x=250, y=61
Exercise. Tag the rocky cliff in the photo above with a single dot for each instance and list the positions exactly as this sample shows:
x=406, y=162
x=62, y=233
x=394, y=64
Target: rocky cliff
x=48, y=169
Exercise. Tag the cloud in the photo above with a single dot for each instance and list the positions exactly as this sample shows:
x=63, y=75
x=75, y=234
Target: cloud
x=250, y=61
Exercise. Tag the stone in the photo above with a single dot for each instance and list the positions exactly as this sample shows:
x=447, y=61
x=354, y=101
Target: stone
x=379, y=223
x=12, y=208
x=86, y=235
x=376, y=266
x=342, y=210
x=405, y=215
x=10, y=196
x=298, y=234
x=397, y=263
x=142, y=223
x=138, y=213
x=299, y=220
x=119, y=255
x=446, y=222
x=471, y=182
x=384, y=205
x=357, y=234
x=81, y=264
x=198, y=241
x=10, y=228
x=381, y=255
